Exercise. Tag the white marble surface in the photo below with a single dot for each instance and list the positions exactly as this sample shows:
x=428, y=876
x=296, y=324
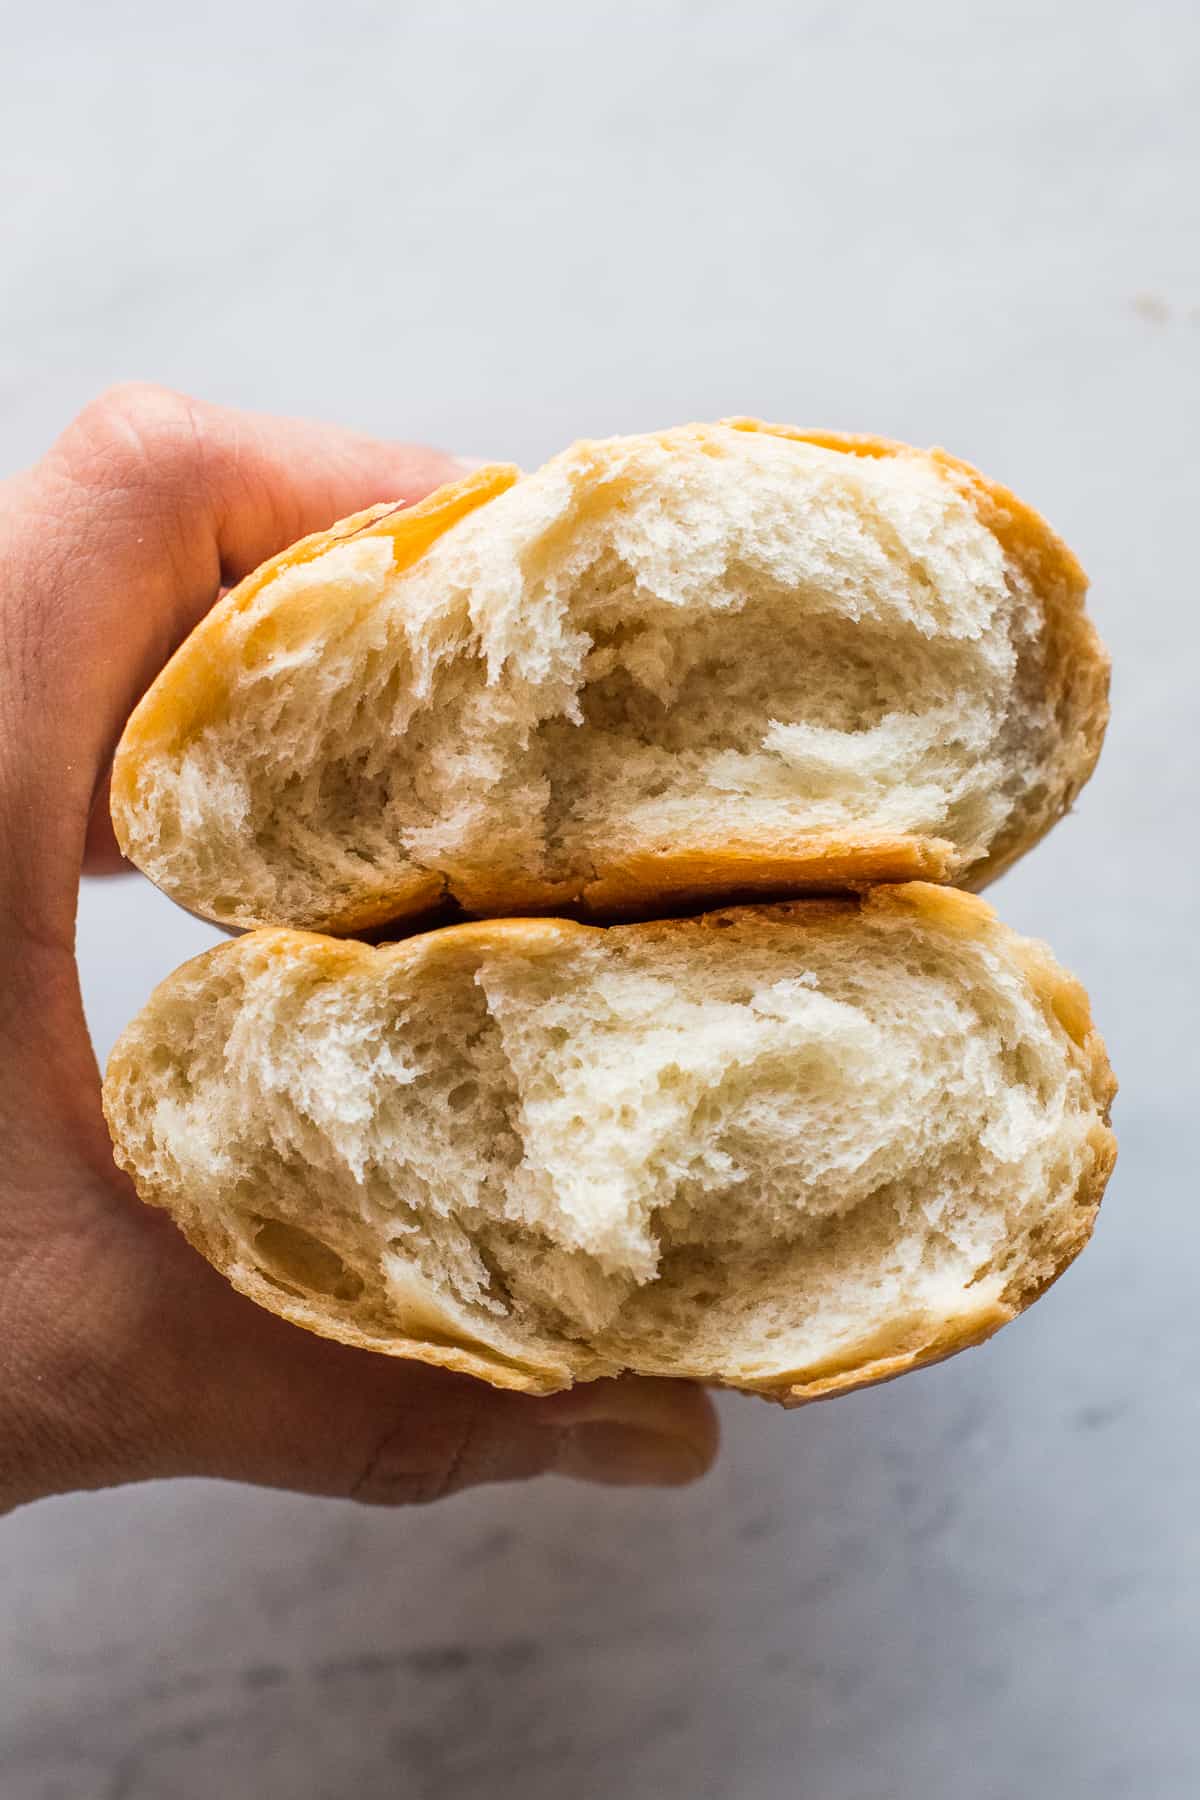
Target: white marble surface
x=499, y=227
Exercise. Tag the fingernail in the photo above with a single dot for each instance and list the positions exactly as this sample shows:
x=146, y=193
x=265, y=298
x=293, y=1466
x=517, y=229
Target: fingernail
x=627, y=1456
x=468, y=464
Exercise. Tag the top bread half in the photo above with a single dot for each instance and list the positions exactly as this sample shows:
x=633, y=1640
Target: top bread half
x=728, y=659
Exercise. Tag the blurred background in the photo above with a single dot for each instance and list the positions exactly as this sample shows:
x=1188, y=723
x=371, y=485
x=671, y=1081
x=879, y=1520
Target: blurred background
x=497, y=228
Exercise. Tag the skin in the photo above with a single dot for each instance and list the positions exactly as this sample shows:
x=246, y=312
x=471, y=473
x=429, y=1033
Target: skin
x=123, y=1356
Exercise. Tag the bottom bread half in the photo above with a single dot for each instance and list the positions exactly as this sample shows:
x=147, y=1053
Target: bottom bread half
x=790, y=1149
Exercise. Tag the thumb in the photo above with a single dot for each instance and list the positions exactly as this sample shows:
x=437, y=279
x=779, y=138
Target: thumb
x=173, y=1373
x=323, y=1418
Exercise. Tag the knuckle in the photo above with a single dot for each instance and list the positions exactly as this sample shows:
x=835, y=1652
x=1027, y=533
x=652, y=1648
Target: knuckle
x=421, y=1460
x=140, y=407
x=134, y=436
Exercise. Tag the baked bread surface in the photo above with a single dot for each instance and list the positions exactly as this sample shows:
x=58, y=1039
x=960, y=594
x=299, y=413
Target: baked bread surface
x=730, y=659
x=790, y=1149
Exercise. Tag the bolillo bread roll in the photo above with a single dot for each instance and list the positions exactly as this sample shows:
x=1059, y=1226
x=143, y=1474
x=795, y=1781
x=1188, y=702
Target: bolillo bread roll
x=723, y=659
x=790, y=1149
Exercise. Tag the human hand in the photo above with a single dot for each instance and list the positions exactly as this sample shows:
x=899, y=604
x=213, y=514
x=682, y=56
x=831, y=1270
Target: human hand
x=123, y=1356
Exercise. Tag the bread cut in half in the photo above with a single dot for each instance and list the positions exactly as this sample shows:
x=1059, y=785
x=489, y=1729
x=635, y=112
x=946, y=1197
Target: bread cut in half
x=723, y=660
x=789, y=1149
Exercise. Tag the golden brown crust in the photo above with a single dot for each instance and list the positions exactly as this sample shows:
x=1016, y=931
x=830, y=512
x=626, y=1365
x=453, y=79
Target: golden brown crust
x=898, y=1346
x=644, y=883
x=881, y=1359
x=702, y=873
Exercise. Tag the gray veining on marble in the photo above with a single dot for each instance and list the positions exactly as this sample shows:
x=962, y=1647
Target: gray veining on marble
x=499, y=227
